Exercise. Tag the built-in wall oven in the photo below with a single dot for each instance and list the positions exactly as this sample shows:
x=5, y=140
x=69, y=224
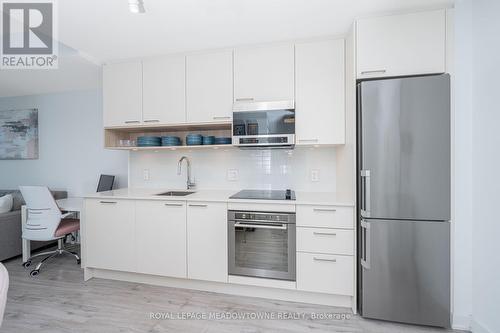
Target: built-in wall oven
x=262, y=244
x=264, y=124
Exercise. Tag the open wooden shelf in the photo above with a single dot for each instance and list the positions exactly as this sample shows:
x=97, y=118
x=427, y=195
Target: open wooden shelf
x=112, y=135
x=163, y=148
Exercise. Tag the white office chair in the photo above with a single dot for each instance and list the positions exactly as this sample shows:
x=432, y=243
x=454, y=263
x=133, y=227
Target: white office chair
x=45, y=222
x=4, y=286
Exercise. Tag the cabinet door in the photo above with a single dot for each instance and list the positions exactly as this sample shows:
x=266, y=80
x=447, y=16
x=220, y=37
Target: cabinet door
x=401, y=44
x=164, y=90
x=322, y=273
x=161, y=238
x=264, y=73
x=122, y=94
x=110, y=234
x=209, y=84
x=207, y=241
x=320, y=92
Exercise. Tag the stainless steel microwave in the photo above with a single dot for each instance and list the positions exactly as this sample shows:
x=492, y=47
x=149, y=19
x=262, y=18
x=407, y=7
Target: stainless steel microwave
x=264, y=124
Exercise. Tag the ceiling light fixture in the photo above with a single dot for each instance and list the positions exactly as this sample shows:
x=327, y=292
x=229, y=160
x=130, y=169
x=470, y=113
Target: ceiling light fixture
x=136, y=6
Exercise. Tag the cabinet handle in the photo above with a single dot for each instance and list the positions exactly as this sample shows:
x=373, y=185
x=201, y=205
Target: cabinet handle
x=324, y=259
x=132, y=121
x=152, y=121
x=196, y=205
x=324, y=233
x=244, y=99
x=173, y=205
x=308, y=140
x=324, y=210
x=108, y=202
x=222, y=117
x=374, y=71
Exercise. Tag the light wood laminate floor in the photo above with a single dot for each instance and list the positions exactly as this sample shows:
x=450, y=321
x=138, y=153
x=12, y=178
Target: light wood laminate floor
x=58, y=300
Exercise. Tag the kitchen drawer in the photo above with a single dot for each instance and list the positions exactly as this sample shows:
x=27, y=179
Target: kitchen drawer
x=329, y=241
x=331, y=274
x=325, y=216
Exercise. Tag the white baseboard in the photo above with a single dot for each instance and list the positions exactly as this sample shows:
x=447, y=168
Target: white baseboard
x=467, y=323
x=462, y=323
x=225, y=288
x=479, y=328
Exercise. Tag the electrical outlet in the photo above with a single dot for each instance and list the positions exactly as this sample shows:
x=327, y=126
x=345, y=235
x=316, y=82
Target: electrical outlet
x=315, y=175
x=232, y=175
x=145, y=174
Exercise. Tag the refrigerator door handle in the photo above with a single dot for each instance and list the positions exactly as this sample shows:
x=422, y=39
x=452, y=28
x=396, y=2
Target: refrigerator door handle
x=365, y=195
x=365, y=244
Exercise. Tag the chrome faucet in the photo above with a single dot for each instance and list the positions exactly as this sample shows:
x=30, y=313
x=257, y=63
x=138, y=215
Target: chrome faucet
x=189, y=183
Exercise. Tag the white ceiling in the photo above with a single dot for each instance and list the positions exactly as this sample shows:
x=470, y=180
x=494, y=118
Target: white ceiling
x=105, y=30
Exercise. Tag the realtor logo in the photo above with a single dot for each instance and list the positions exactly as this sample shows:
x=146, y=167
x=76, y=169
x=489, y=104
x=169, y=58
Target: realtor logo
x=28, y=35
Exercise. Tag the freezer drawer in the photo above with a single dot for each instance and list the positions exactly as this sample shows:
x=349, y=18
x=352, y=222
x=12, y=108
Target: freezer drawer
x=405, y=275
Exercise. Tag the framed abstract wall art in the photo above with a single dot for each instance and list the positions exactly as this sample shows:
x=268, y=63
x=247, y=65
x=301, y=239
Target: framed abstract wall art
x=19, y=134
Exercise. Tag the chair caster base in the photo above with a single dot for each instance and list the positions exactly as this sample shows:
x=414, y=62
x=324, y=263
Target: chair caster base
x=27, y=264
x=78, y=261
x=34, y=272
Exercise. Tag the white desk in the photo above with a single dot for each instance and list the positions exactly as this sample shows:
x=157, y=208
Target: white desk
x=68, y=204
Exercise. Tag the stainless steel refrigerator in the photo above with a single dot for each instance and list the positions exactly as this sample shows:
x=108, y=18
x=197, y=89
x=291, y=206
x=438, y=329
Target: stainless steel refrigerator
x=404, y=199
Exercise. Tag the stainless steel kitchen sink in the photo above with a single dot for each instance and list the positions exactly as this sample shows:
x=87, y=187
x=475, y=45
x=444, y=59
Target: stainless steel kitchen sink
x=176, y=193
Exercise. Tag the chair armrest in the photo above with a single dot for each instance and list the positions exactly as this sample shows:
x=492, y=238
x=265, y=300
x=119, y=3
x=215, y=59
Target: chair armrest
x=66, y=215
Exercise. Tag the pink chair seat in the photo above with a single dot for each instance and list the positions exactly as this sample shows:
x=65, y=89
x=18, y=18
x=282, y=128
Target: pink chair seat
x=67, y=226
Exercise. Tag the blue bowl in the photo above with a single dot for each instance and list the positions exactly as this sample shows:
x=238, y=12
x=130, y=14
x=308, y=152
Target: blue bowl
x=194, y=139
x=148, y=138
x=209, y=140
x=222, y=141
x=141, y=144
x=170, y=141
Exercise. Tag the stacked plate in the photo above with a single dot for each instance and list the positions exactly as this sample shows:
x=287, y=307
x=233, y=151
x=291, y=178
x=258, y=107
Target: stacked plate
x=209, y=140
x=194, y=139
x=148, y=141
x=170, y=141
x=222, y=141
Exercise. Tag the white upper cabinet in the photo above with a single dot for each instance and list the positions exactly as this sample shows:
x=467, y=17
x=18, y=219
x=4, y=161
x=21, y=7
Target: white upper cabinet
x=209, y=84
x=164, y=82
x=264, y=73
x=122, y=94
x=320, y=92
x=401, y=44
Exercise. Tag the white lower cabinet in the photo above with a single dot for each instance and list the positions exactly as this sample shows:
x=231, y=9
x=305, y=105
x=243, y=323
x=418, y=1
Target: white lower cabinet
x=325, y=273
x=207, y=241
x=325, y=249
x=321, y=216
x=161, y=238
x=110, y=234
x=330, y=241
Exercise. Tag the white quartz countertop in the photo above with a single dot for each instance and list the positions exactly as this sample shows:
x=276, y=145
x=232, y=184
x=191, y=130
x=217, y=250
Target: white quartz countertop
x=302, y=198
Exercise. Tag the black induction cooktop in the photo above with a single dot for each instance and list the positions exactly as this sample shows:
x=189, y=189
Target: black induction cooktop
x=265, y=195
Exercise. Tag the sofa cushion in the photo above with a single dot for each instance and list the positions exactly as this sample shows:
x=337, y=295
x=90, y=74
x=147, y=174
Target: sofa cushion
x=6, y=203
x=18, y=200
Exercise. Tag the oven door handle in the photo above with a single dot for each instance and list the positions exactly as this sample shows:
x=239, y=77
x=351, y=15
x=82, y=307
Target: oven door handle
x=261, y=226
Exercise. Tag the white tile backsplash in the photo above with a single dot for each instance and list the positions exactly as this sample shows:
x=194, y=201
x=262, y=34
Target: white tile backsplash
x=256, y=169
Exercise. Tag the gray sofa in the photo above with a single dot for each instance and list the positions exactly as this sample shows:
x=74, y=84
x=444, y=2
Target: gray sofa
x=10, y=226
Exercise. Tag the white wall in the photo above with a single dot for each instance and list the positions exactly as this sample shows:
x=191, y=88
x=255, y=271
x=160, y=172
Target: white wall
x=71, y=142
x=477, y=268
x=257, y=169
